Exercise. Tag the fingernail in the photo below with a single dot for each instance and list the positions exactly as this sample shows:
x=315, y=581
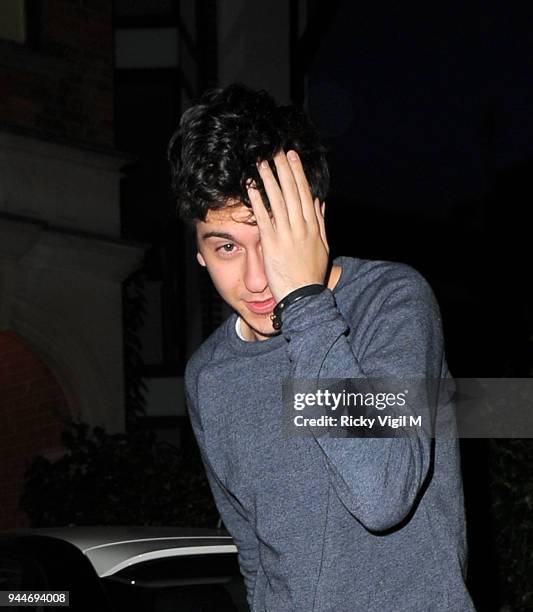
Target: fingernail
x=292, y=156
x=264, y=164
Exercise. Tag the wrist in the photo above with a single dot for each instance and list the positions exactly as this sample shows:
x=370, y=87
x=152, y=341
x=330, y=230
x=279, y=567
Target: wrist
x=292, y=297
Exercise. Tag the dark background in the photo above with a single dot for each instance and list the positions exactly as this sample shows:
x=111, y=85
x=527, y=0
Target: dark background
x=428, y=116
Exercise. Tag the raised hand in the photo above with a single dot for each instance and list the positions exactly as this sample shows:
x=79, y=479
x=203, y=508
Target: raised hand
x=293, y=236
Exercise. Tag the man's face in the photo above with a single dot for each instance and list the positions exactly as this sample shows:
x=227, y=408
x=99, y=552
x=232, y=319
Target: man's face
x=230, y=248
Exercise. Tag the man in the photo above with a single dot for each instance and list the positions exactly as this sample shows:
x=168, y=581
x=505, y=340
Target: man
x=320, y=523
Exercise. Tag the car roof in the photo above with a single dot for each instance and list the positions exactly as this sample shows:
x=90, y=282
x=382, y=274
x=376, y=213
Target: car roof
x=111, y=549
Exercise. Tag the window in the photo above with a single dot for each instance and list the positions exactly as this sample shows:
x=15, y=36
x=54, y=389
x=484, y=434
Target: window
x=197, y=583
x=37, y=563
x=20, y=573
x=13, y=21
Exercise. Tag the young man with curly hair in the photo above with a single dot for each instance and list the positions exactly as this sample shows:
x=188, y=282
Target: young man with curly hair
x=320, y=523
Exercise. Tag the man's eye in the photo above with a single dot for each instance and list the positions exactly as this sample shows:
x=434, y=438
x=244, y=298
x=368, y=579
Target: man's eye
x=226, y=248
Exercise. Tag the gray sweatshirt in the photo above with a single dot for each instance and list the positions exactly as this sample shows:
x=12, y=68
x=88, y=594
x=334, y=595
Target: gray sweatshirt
x=332, y=524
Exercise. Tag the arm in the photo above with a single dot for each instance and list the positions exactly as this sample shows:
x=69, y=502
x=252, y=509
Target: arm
x=230, y=510
x=378, y=480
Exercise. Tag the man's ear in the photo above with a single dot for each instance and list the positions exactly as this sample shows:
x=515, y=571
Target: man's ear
x=200, y=259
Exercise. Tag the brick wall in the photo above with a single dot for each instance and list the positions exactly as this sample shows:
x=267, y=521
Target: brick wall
x=60, y=85
x=32, y=410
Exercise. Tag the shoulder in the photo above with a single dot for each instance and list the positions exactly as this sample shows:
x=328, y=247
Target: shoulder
x=382, y=278
x=395, y=320
x=380, y=288
x=202, y=356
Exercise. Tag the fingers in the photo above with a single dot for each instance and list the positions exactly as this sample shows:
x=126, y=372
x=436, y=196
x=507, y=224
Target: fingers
x=290, y=199
x=274, y=194
x=289, y=190
x=320, y=213
x=302, y=185
x=261, y=215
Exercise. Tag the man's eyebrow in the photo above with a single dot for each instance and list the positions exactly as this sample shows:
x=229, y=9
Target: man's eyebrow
x=214, y=234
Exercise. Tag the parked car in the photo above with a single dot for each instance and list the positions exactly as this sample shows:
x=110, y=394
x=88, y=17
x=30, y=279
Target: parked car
x=126, y=569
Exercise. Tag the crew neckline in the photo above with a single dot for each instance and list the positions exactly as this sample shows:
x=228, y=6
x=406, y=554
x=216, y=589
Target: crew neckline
x=257, y=347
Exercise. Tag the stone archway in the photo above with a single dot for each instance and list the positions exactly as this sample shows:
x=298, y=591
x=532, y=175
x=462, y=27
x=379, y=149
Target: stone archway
x=33, y=410
x=62, y=265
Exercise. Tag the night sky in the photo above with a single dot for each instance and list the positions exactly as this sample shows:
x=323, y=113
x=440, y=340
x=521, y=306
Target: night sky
x=421, y=105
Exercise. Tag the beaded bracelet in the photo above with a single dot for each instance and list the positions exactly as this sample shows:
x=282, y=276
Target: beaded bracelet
x=291, y=298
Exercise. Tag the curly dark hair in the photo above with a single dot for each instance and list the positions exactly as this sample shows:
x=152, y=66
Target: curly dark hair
x=214, y=152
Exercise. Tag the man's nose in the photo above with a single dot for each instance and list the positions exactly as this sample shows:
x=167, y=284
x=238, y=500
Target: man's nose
x=254, y=276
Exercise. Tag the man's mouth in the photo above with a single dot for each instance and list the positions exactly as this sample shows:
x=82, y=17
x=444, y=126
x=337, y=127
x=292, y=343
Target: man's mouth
x=262, y=307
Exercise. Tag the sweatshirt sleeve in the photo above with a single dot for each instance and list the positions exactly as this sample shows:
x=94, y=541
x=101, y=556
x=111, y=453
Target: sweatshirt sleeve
x=231, y=512
x=377, y=479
